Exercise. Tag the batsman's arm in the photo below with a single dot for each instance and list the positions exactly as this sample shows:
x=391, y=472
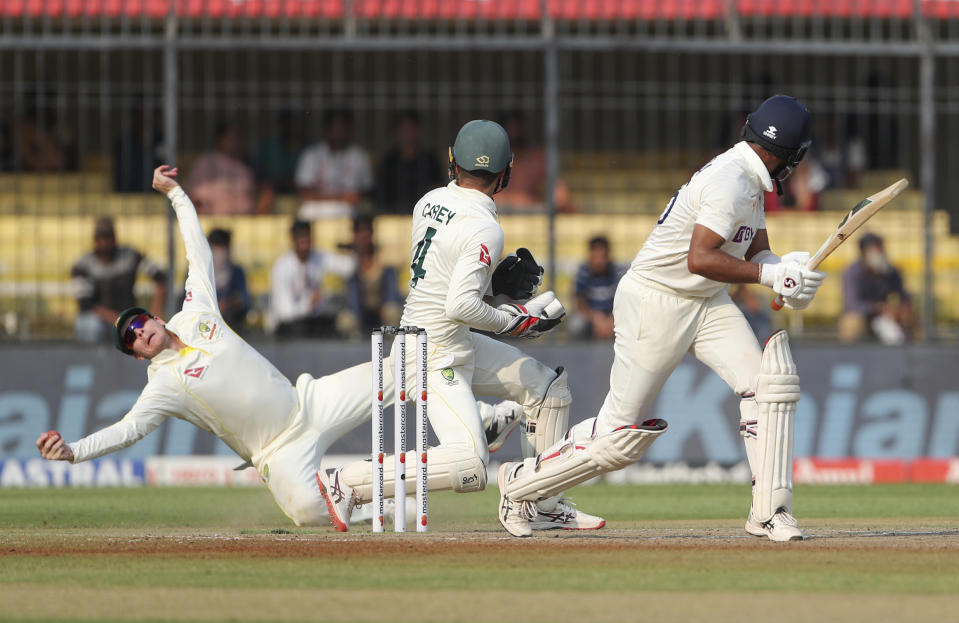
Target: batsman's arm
x=707, y=259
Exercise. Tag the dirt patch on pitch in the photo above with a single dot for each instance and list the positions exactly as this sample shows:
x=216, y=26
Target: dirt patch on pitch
x=362, y=544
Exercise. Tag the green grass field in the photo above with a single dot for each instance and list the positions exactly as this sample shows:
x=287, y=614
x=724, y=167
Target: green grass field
x=669, y=553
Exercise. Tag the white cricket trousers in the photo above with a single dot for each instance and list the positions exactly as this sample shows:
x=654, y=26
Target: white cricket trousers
x=654, y=328
x=486, y=367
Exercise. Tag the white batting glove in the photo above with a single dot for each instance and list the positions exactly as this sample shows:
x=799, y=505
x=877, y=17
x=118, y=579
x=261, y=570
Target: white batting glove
x=536, y=317
x=799, y=257
x=811, y=280
x=785, y=278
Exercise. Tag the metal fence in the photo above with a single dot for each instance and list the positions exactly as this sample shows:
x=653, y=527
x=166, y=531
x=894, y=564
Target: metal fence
x=619, y=101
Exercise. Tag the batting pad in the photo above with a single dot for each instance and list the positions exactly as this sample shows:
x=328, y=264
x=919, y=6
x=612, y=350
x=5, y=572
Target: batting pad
x=777, y=392
x=576, y=460
x=446, y=468
x=548, y=425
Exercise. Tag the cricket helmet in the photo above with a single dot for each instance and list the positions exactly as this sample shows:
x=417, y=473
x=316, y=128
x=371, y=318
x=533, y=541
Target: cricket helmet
x=783, y=127
x=482, y=145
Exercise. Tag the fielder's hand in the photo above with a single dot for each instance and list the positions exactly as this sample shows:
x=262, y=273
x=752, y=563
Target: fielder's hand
x=538, y=316
x=52, y=446
x=517, y=276
x=163, y=178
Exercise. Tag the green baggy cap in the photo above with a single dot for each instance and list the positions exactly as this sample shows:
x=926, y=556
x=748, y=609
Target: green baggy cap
x=482, y=145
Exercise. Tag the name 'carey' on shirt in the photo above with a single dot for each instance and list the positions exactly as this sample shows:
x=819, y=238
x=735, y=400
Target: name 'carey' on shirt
x=438, y=213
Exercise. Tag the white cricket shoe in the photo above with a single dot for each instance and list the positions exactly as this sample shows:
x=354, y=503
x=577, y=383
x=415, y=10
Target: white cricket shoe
x=506, y=417
x=340, y=499
x=782, y=527
x=363, y=513
x=564, y=516
x=515, y=516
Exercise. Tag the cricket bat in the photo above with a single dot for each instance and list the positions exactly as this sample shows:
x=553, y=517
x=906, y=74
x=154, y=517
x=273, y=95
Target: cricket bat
x=849, y=224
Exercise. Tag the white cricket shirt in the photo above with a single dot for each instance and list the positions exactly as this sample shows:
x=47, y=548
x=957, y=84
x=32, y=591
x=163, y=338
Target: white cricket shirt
x=218, y=382
x=456, y=242
x=726, y=196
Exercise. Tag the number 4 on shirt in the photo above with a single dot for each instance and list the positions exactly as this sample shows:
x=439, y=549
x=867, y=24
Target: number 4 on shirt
x=416, y=267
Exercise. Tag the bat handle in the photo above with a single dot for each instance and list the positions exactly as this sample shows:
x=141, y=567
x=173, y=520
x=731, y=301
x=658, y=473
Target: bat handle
x=777, y=303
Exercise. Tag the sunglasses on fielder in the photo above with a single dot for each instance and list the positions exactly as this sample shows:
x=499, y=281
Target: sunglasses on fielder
x=129, y=335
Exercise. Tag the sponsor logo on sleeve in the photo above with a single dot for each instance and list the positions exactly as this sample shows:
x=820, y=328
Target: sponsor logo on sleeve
x=196, y=372
x=189, y=296
x=744, y=234
x=485, y=256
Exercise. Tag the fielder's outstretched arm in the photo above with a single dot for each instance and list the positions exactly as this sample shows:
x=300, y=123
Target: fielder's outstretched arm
x=200, y=284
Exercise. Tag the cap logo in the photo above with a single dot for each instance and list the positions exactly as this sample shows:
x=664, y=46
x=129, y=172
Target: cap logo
x=482, y=161
x=770, y=132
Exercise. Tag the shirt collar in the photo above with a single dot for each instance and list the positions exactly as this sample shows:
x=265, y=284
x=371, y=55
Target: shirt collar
x=475, y=196
x=755, y=164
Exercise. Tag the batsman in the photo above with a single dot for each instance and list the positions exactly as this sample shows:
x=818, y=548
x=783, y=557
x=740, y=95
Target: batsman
x=673, y=301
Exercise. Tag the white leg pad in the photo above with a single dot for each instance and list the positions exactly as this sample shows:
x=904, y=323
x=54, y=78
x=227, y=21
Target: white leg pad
x=777, y=392
x=447, y=468
x=577, y=458
x=547, y=424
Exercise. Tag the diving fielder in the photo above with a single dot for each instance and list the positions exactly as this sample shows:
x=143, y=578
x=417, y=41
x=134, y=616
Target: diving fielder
x=202, y=372
x=456, y=244
x=674, y=300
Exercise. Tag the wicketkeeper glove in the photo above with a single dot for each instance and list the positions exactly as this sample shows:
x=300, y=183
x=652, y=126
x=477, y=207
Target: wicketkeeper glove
x=517, y=276
x=535, y=318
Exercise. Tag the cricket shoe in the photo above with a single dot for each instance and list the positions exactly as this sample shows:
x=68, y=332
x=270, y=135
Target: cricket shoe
x=564, y=516
x=780, y=528
x=340, y=499
x=363, y=513
x=506, y=417
x=515, y=516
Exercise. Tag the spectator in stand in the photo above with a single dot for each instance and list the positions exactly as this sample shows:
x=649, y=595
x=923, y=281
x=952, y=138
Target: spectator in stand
x=35, y=145
x=334, y=176
x=372, y=292
x=801, y=190
x=525, y=192
x=596, y=282
x=843, y=155
x=6, y=148
x=300, y=305
x=407, y=171
x=103, y=282
x=275, y=162
x=136, y=153
x=220, y=182
x=875, y=301
x=755, y=308
x=230, y=280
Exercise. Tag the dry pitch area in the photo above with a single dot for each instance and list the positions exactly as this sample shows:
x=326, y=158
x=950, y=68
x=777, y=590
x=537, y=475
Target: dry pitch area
x=670, y=553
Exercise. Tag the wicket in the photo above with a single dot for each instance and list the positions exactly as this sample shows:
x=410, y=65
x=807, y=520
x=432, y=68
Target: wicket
x=399, y=427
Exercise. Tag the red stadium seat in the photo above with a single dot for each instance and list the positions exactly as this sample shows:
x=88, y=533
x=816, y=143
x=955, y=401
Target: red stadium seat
x=589, y=10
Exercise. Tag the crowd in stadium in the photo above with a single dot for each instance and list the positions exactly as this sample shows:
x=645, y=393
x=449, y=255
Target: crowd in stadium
x=336, y=178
